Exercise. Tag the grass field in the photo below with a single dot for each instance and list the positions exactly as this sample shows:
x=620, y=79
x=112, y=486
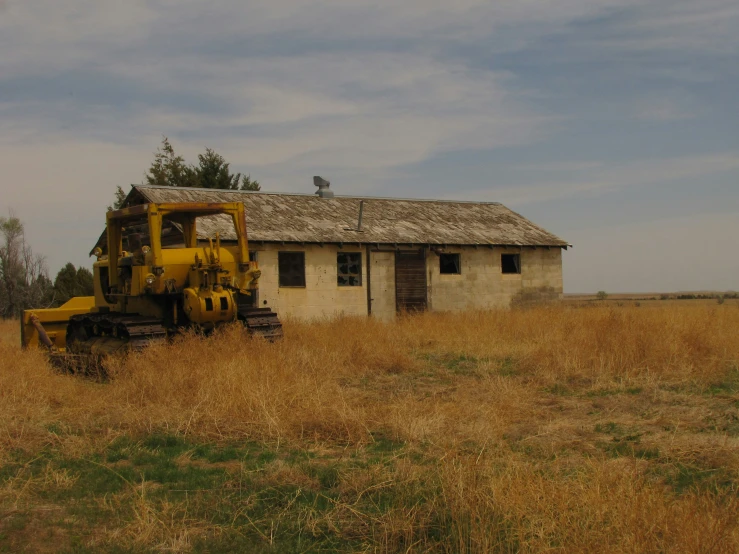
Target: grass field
x=561, y=429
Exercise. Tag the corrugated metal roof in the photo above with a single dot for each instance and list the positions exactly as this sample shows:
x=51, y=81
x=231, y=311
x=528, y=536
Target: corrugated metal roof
x=275, y=217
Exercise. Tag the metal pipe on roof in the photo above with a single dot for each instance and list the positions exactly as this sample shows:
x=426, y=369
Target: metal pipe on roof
x=361, y=211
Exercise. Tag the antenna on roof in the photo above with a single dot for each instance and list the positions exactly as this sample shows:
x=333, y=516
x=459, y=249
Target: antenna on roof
x=323, y=187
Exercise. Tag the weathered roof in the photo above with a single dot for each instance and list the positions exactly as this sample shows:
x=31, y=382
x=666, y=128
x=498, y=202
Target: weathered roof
x=277, y=217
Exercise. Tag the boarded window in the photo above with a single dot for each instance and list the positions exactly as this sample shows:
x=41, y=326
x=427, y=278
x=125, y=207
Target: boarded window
x=292, y=269
x=349, y=269
x=449, y=264
x=510, y=263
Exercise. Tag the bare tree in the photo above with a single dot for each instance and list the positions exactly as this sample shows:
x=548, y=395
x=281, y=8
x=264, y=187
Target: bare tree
x=24, y=278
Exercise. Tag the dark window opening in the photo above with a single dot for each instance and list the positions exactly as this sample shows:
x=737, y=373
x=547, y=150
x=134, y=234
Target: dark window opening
x=291, y=268
x=224, y=303
x=208, y=304
x=449, y=264
x=349, y=269
x=510, y=263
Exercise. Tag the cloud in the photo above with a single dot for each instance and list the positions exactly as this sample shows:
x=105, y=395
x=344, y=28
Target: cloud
x=371, y=94
x=664, y=109
x=596, y=178
x=371, y=110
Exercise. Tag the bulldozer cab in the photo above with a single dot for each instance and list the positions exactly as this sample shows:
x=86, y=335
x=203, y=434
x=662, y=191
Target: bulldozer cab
x=154, y=216
x=148, y=267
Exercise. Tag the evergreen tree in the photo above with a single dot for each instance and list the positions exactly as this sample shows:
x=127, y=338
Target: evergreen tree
x=71, y=282
x=120, y=197
x=248, y=184
x=169, y=169
x=212, y=172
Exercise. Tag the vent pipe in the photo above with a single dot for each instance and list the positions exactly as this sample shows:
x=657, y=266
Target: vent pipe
x=323, y=187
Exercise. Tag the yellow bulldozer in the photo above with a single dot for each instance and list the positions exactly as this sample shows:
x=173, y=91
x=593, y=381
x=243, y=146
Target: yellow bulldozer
x=149, y=291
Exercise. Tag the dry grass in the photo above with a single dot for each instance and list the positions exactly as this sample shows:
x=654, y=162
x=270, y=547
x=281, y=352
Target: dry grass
x=552, y=429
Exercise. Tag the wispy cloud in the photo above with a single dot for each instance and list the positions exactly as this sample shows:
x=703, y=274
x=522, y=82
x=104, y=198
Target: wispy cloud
x=525, y=102
x=593, y=178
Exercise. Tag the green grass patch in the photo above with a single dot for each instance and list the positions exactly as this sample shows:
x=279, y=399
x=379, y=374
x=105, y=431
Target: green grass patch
x=559, y=389
x=624, y=442
x=610, y=428
x=613, y=392
x=685, y=478
x=507, y=367
x=729, y=384
x=248, y=497
x=602, y=392
x=454, y=364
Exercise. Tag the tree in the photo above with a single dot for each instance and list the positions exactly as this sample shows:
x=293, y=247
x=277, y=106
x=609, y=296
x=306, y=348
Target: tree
x=168, y=169
x=24, y=280
x=602, y=295
x=249, y=184
x=71, y=282
x=120, y=198
x=212, y=172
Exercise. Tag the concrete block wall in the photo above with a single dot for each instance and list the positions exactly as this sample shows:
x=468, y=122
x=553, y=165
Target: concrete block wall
x=480, y=285
x=321, y=296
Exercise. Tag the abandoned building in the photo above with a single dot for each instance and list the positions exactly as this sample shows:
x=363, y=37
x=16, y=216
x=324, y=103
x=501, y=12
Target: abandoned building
x=324, y=255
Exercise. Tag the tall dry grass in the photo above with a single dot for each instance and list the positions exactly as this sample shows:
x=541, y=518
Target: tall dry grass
x=507, y=404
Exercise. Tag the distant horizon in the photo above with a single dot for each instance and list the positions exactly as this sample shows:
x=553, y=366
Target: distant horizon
x=654, y=293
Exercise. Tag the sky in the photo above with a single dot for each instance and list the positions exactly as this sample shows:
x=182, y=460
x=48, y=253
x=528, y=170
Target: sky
x=614, y=124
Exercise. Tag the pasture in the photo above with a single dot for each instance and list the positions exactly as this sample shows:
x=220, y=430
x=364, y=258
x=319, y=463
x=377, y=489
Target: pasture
x=560, y=429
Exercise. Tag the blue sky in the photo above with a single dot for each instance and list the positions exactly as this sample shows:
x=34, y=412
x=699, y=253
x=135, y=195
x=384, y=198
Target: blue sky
x=612, y=123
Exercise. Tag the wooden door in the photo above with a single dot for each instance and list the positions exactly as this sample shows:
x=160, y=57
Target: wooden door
x=410, y=280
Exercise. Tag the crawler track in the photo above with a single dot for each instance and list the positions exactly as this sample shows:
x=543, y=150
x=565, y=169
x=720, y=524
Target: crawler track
x=262, y=322
x=93, y=337
x=103, y=334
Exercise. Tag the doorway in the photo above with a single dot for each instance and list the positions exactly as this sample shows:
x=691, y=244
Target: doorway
x=410, y=280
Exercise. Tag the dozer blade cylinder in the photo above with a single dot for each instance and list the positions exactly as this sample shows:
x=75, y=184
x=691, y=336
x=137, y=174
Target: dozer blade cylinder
x=43, y=337
x=53, y=322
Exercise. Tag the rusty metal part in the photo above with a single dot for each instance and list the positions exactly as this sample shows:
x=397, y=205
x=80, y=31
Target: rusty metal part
x=43, y=337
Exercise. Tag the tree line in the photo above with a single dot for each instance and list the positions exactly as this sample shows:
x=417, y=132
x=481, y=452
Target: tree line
x=24, y=276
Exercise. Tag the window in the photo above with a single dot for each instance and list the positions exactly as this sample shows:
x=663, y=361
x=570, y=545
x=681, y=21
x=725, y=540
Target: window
x=292, y=269
x=510, y=263
x=449, y=264
x=349, y=269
